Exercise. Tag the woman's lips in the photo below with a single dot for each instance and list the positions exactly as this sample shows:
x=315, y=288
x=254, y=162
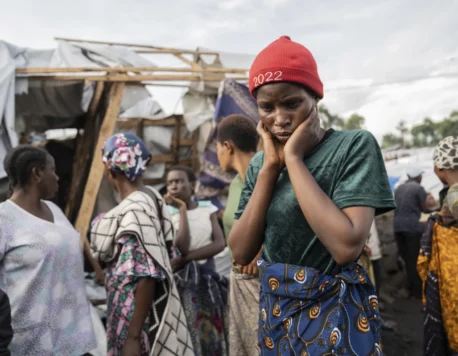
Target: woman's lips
x=283, y=137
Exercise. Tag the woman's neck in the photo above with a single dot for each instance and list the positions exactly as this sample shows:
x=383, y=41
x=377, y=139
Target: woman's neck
x=452, y=177
x=241, y=163
x=28, y=200
x=128, y=188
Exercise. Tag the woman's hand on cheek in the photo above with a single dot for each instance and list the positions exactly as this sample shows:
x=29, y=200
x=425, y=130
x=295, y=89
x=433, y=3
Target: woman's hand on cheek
x=304, y=138
x=274, y=157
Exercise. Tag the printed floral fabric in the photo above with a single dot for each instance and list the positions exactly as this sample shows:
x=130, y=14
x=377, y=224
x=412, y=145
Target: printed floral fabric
x=121, y=282
x=125, y=153
x=304, y=312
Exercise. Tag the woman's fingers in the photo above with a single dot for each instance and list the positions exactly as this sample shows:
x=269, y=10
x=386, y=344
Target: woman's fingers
x=262, y=131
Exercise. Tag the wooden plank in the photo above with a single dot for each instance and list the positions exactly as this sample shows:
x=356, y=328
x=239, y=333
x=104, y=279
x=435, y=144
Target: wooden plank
x=197, y=69
x=176, y=51
x=134, y=45
x=167, y=158
x=97, y=169
x=83, y=148
x=133, y=123
x=195, y=157
x=193, y=64
x=177, y=133
x=184, y=142
x=134, y=78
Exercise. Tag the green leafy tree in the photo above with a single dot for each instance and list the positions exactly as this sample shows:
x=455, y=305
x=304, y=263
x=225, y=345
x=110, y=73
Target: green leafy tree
x=354, y=122
x=329, y=120
x=403, y=131
x=390, y=140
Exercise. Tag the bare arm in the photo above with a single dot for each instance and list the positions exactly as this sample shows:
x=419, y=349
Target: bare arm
x=342, y=232
x=146, y=288
x=99, y=273
x=211, y=249
x=247, y=233
x=183, y=237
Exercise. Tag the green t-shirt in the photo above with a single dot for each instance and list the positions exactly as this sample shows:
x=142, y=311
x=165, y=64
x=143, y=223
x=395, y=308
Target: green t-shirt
x=235, y=189
x=349, y=167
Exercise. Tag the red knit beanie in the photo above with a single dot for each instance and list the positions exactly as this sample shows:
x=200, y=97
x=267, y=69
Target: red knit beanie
x=285, y=61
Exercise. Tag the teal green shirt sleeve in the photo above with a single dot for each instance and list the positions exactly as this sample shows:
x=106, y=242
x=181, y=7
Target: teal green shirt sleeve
x=250, y=181
x=362, y=178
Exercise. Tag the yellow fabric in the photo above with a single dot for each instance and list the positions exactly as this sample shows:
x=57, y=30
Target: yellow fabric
x=365, y=261
x=444, y=262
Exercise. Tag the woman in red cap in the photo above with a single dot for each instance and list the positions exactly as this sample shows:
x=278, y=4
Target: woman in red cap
x=309, y=199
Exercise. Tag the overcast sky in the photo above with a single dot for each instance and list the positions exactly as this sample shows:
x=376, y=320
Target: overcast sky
x=354, y=43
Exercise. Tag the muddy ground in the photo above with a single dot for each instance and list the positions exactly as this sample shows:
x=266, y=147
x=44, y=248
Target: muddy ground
x=406, y=338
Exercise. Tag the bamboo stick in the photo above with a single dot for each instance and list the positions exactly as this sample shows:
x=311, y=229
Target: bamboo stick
x=132, y=78
x=129, y=69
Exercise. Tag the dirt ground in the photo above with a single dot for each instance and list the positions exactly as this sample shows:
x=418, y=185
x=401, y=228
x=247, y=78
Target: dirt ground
x=407, y=337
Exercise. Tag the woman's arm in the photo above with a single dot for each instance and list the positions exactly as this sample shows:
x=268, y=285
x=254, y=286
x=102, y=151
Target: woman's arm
x=342, y=232
x=183, y=237
x=146, y=289
x=247, y=233
x=211, y=249
x=99, y=273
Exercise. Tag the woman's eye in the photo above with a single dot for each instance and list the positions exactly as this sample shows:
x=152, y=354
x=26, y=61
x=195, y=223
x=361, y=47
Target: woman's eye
x=266, y=108
x=293, y=104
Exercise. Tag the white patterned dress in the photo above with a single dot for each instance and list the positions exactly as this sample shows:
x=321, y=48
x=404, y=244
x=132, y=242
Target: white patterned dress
x=41, y=271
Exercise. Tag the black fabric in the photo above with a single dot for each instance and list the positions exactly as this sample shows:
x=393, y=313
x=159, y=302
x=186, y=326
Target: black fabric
x=409, y=198
x=443, y=194
x=6, y=331
x=409, y=248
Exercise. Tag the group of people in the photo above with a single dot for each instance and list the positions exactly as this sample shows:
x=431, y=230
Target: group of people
x=297, y=219
x=427, y=238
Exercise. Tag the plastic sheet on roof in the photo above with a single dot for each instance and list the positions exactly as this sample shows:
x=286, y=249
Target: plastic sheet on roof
x=43, y=105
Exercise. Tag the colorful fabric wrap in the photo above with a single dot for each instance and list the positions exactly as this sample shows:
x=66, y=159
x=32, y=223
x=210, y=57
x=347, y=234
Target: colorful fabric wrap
x=203, y=293
x=437, y=267
x=303, y=312
x=126, y=154
x=233, y=98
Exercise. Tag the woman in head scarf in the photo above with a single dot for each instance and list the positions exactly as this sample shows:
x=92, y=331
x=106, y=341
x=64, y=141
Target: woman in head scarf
x=145, y=316
x=309, y=200
x=438, y=260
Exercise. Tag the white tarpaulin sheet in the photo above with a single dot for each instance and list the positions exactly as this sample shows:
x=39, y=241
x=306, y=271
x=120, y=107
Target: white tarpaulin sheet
x=41, y=105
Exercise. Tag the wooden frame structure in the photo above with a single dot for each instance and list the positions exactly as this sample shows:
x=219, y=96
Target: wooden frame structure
x=110, y=82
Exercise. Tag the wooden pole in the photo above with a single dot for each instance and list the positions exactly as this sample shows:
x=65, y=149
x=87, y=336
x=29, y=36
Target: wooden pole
x=132, y=78
x=97, y=169
x=84, y=148
x=163, y=49
x=172, y=51
x=130, y=69
x=193, y=64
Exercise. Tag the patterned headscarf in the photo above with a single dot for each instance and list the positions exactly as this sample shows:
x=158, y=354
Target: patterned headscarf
x=126, y=154
x=446, y=153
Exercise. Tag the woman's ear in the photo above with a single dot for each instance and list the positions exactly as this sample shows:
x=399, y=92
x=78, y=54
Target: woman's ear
x=229, y=146
x=36, y=174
